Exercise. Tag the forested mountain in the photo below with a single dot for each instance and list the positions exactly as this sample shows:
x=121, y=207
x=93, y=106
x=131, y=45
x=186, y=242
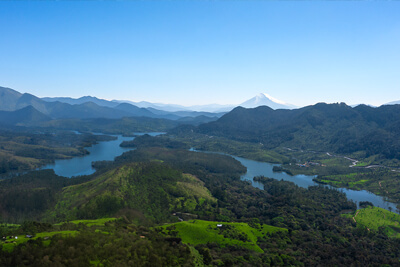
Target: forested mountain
x=332, y=127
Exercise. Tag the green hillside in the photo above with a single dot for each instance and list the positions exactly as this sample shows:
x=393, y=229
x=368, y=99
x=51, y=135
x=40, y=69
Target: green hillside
x=150, y=190
x=197, y=232
x=115, y=243
x=378, y=219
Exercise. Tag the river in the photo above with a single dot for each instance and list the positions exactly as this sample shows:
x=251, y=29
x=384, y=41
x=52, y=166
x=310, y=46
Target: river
x=255, y=168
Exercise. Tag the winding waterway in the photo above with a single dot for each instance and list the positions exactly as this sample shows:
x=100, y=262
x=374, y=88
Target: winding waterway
x=108, y=150
x=255, y=168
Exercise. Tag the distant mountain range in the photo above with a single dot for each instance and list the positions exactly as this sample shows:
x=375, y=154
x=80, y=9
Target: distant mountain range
x=89, y=107
x=16, y=108
x=261, y=99
x=216, y=108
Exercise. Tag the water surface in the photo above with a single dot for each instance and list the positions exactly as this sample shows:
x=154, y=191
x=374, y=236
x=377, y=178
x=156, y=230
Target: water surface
x=106, y=150
x=256, y=168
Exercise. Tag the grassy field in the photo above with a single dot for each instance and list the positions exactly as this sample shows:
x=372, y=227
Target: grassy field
x=379, y=181
x=98, y=222
x=22, y=239
x=254, y=151
x=374, y=217
x=196, y=232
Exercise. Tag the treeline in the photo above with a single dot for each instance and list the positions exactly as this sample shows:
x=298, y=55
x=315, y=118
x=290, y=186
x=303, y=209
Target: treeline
x=29, y=196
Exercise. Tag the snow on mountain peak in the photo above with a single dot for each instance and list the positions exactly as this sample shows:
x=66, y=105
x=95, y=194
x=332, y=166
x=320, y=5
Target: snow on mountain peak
x=265, y=95
x=264, y=99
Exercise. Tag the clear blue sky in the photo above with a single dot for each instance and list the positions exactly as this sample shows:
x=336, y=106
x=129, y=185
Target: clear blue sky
x=199, y=52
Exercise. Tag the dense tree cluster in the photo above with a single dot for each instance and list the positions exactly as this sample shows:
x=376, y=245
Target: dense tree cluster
x=146, y=140
x=119, y=244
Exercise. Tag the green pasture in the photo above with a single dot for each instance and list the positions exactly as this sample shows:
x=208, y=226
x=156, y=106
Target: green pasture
x=22, y=239
x=97, y=222
x=375, y=218
x=196, y=232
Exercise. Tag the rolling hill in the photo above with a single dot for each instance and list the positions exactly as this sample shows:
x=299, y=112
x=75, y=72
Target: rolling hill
x=151, y=189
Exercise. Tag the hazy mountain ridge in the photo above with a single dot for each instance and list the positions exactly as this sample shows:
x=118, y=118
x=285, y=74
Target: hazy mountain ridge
x=393, y=103
x=261, y=99
x=27, y=116
x=81, y=100
x=213, y=108
x=88, y=107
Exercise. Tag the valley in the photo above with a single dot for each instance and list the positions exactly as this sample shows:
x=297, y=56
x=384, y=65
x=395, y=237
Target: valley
x=199, y=133
x=252, y=188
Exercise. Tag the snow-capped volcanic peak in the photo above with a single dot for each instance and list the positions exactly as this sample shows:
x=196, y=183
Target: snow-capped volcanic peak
x=261, y=96
x=263, y=99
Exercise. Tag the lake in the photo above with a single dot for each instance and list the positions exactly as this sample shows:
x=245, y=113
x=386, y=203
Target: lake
x=106, y=150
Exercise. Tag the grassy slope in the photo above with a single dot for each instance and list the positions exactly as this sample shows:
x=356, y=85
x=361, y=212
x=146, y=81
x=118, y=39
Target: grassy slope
x=374, y=217
x=201, y=232
x=97, y=222
x=152, y=189
x=248, y=150
x=23, y=239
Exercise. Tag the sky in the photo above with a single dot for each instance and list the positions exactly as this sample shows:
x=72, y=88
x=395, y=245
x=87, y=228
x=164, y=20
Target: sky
x=203, y=52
